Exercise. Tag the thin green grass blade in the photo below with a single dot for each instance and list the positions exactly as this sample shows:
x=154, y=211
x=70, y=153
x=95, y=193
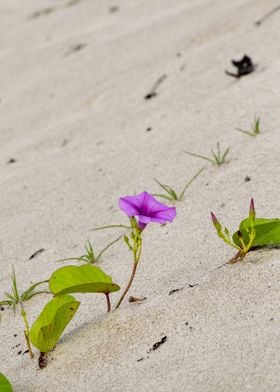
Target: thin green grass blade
x=37, y=293
x=6, y=303
x=189, y=183
x=250, y=133
x=90, y=256
x=166, y=188
x=257, y=130
x=216, y=159
x=225, y=154
x=107, y=247
x=109, y=227
x=69, y=259
x=258, y=125
x=14, y=284
x=199, y=156
x=11, y=297
x=29, y=293
x=163, y=196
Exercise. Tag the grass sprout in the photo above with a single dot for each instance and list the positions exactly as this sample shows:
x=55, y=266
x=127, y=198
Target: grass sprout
x=15, y=299
x=89, y=257
x=255, y=128
x=218, y=157
x=171, y=194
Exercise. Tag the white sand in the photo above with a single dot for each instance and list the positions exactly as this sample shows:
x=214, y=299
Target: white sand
x=76, y=124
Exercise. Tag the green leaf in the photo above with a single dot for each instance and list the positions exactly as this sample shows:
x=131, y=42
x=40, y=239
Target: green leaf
x=5, y=385
x=52, y=321
x=83, y=279
x=267, y=232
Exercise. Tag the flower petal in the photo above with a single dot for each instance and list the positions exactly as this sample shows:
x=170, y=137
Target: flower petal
x=147, y=209
x=150, y=204
x=131, y=205
x=144, y=219
x=165, y=215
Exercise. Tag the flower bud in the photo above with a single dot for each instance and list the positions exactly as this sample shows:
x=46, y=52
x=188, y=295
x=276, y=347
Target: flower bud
x=215, y=221
x=252, y=212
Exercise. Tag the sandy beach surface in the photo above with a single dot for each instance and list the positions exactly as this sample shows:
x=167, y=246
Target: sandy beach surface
x=77, y=133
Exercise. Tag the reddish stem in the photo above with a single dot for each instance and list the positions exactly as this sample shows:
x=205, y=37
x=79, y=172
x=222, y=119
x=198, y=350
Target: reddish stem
x=128, y=285
x=108, y=302
x=239, y=255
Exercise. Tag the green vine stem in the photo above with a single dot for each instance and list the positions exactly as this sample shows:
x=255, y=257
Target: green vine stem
x=136, y=249
x=26, y=331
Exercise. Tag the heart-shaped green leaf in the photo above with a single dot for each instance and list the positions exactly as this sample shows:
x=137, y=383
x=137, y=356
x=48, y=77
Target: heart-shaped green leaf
x=267, y=232
x=5, y=385
x=54, y=318
x=81, y=279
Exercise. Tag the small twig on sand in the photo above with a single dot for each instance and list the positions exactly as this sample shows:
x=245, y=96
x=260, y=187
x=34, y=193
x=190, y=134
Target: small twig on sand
x=153, y=92
x=267, y=15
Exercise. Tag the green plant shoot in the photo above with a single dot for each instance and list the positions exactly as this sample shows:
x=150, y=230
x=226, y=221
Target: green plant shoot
x=5, y=385
x=52, y=321
x=15, y=299
x=171, y=194
x=134, y=244
x=90, y=257
x=141, y=209
x=218, y=158
x=83, y=279
x=255, y=128
x=253, y=232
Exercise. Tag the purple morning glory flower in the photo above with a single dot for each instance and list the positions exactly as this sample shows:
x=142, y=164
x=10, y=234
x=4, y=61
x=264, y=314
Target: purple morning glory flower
x=147, y=209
